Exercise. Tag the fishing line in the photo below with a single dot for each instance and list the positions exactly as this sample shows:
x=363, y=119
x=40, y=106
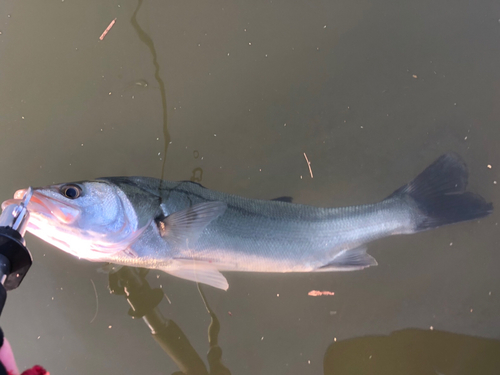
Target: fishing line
x=96, y=301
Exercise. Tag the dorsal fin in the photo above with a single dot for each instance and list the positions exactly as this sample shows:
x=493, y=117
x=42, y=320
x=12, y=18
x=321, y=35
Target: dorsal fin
x=283, y=199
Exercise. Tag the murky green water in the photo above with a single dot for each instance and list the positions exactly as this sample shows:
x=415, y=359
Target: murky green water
x=231, y=94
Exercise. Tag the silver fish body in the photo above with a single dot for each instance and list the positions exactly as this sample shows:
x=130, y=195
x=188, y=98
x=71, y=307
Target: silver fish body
x=192, y=232
x=260, y=235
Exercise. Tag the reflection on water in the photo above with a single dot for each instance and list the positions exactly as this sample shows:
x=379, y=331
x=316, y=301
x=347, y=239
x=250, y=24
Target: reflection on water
x=214, y=354
x=408, y=352
x=146, y=39
x=414, y=352
x=143, y=301
x=197, y=175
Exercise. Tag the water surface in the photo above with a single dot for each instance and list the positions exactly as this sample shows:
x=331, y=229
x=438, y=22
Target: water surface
x=372, y=92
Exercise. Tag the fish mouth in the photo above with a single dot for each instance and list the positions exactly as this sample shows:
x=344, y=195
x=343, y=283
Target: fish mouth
x=46, y=205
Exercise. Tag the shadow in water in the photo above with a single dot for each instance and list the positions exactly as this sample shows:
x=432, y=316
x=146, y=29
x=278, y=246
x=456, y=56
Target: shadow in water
x=143, y=301
x=414, y=352
x=146, y=39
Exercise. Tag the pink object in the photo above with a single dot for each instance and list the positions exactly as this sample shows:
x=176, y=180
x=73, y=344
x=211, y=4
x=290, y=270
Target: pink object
x=107, y=29
x=7, y=358
x=36, y=370
x=316, y=293
x=9, y=362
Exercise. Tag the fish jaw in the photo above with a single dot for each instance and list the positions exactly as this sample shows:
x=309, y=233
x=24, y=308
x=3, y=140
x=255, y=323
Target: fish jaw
x=44, y=209
x=64, y=211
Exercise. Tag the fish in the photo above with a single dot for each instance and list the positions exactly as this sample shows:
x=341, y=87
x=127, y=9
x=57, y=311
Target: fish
x=194, y=233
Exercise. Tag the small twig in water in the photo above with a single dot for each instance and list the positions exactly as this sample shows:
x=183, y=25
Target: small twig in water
x=96, y=301
x=107, y=29
x=309, y=165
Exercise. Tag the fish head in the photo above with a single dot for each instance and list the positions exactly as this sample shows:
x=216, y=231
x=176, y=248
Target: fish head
x=89, y=219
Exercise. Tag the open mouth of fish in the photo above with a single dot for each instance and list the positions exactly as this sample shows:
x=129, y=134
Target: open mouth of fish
x=48, y=206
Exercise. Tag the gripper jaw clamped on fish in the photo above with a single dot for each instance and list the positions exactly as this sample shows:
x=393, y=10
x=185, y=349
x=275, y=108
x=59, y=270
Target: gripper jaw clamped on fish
x=15, y=258
x=194, y=233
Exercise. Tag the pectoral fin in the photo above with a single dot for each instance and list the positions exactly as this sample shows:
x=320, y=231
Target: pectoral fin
x=198, y=271
x=350, y=260
x=183, y=228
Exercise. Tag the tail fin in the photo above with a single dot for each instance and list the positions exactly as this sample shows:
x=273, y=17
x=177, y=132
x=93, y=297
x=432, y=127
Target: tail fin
x=440, y=196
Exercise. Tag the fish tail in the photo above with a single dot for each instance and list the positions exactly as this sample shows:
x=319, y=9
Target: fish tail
x=438, y=195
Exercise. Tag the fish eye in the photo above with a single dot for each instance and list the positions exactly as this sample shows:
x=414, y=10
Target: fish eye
x=71, y=191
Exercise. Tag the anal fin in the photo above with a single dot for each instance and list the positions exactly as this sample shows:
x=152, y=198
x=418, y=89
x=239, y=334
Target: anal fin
x=349, y=260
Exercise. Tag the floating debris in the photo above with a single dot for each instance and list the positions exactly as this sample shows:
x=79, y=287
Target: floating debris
x=107, y=29
x=315, y=293
x=309, y=165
